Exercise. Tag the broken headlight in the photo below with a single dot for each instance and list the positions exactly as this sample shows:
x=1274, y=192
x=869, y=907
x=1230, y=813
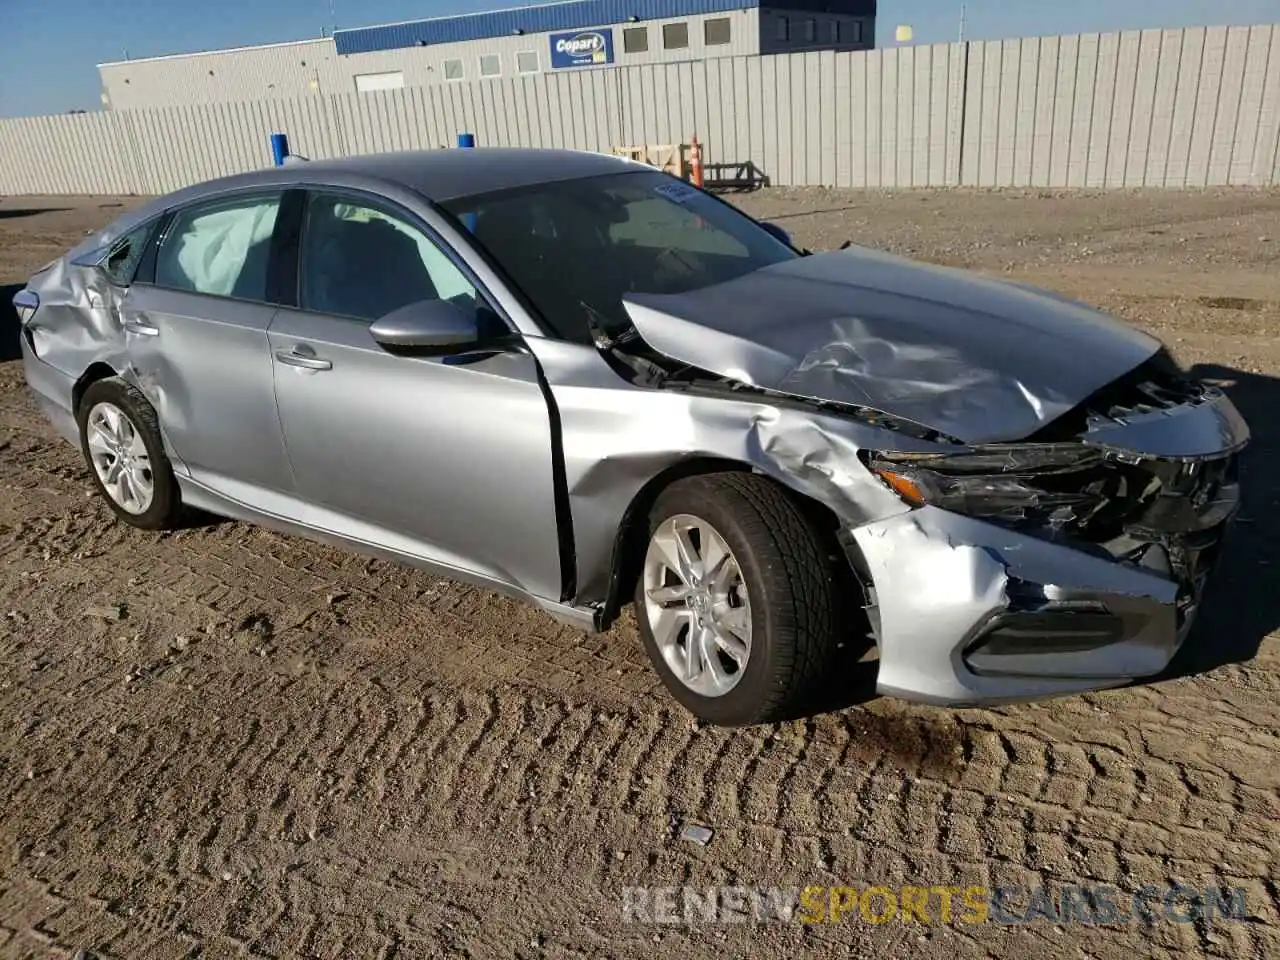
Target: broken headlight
x=1050, y=484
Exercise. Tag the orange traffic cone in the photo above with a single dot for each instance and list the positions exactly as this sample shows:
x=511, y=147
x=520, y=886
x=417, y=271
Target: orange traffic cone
x=695, y=160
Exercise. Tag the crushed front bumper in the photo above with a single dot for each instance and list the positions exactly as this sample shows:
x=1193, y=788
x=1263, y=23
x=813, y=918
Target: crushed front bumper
x=971, y=612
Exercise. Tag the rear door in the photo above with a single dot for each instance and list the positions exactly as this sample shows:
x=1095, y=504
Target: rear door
x=195, y=322
x=447, y=458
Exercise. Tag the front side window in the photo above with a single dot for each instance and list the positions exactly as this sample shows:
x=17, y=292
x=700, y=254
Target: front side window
x=363, y=262
x=527, y=61
x=635, y=39
x=576, y=248
x=490, y=65
x=784, y=29
x=835, y=31
x=221, y=248
x=123, y=257
x=810, y=31
x=675, y=36
x=453, y=69
x=716, y=31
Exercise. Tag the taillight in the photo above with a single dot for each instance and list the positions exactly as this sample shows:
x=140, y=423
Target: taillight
x=26, y=303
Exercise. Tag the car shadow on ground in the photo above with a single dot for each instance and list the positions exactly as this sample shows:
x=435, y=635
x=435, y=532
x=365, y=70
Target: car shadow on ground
x=29, y=212
x=9, y=349
x=1242, y=603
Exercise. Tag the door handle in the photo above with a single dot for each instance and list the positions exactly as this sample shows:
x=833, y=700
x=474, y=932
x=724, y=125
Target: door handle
x=142, y=328
x=295, y=359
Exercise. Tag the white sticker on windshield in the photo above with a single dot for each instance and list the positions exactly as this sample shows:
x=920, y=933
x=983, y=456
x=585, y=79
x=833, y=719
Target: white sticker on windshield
x=677, y=191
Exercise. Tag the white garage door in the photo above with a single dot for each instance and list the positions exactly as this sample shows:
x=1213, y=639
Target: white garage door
x=365, y=82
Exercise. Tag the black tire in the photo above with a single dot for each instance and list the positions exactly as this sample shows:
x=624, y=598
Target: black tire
x=789, y=578
x=166, y=502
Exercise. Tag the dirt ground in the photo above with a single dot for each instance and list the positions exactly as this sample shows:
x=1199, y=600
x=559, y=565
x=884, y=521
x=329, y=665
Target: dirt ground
x=228, y=742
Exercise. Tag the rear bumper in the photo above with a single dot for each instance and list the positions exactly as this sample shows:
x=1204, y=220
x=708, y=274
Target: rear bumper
x=53, y=391
x=971, y=613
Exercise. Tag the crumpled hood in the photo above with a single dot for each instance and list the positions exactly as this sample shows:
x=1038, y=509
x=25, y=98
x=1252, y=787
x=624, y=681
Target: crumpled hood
x=975, y=358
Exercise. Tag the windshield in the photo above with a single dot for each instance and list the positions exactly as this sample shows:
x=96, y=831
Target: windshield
x=592, y=241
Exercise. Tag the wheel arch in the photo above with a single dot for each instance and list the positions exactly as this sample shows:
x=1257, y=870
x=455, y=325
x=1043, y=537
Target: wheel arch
x=631, y=538
x=96, y=371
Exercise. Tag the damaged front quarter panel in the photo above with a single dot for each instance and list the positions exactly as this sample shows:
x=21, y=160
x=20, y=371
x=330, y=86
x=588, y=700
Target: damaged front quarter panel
x=619, y=438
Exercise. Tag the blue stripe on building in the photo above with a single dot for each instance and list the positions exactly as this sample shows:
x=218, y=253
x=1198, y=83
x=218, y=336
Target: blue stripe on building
x=563, y=16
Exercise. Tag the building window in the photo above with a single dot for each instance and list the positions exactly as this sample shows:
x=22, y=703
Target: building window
x=835, y=31
x=810, y=31
x=784, y=29
x=675, y=36
x=453, y=69
x=490, y=65
x=716, y=31
x=855, y=32
x=527, y=61
x=635, y=39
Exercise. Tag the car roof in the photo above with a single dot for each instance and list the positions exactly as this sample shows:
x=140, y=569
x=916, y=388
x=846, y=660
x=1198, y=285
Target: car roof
x=438, y=175
x=446, y=174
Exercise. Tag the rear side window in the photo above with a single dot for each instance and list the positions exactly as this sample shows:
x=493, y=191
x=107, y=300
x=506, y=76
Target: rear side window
x=122, y=260
x=222, y=248
x=363, y=262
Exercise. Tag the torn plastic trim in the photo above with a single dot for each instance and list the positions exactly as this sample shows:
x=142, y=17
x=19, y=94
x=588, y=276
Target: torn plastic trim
x=1206, y=428
x=1015, y=458
x=644, y=372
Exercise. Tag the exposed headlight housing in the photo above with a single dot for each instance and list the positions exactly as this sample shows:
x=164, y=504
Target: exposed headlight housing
x=1045, y=484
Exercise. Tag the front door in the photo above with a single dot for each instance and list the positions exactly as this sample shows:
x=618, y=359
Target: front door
x=195, y=334
x=444, y=458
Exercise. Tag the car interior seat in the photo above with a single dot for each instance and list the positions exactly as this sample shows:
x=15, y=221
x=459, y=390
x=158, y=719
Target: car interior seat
x=364, y=268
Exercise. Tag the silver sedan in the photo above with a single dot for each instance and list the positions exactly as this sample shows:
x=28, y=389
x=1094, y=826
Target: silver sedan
x=582, y=382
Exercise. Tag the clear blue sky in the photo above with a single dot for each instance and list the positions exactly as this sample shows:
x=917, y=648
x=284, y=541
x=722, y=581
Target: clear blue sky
x=53, y=47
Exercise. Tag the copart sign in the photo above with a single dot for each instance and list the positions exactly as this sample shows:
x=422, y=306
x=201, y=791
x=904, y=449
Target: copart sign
x=582, y=48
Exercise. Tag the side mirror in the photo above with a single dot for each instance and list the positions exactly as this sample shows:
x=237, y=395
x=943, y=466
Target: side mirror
x=777, y=231
x=427, y=325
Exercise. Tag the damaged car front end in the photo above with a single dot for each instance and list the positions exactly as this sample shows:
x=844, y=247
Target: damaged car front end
x=1057, y=566
x=1060, y=517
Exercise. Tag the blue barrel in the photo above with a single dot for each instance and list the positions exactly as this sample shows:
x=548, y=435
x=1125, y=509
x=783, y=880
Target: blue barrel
x=279, y=148
x=466, y=139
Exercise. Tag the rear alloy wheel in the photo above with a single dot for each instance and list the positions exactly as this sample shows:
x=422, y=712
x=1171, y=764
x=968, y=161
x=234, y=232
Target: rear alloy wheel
x=735, y=599
x=120, y=439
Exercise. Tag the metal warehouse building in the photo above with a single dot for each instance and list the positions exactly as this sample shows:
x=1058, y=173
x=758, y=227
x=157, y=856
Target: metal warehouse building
x=577, y=35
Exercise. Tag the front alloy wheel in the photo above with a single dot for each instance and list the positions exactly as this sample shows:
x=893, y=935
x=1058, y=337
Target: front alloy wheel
x=736, y=599
x=697, y=605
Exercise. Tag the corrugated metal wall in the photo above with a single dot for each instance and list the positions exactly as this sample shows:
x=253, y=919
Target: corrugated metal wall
x=1153, y=108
